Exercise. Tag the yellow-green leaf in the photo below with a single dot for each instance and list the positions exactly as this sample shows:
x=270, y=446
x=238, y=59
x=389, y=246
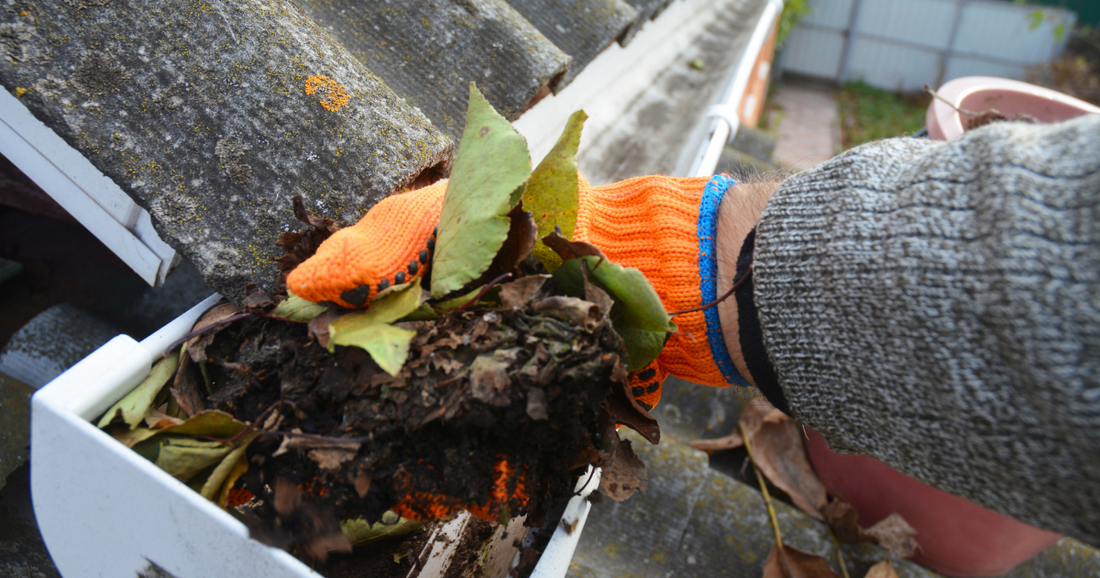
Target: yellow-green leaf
x=296, y=308
x=370, y=328
x=359, y=531
x=210, y=423
x=136, y=404
x=184, y=457
x=233, y=466
x=490, y=168
x=551, y=194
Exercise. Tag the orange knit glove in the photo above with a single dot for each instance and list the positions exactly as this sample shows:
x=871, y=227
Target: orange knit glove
x=663, y=226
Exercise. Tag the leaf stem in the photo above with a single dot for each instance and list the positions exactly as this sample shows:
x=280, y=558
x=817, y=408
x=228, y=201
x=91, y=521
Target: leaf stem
x=935, y=94
x=483, y=291
x=839, y=554
x=763, y=487
x=737, y=285
x=248, y=428
x=222, y=323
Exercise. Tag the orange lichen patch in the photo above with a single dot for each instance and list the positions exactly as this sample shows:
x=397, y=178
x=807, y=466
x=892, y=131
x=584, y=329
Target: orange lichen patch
x=390, y=245
x=238, y=496
x=507, y=489
x=20, y=91
x=332, y=96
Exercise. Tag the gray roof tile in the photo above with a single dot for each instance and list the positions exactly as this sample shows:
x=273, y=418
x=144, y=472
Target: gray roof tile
x=213, y=115
x=429, y=52
x=581, y=28
x=203, y=117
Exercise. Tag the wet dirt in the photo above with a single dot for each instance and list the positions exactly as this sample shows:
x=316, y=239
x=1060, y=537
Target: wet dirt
x=495, y=411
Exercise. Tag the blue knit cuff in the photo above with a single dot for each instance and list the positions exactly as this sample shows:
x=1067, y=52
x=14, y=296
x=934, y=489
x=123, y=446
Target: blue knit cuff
x=708, y=272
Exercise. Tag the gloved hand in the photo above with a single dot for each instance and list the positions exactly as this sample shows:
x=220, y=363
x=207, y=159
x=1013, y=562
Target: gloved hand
x=663, y=226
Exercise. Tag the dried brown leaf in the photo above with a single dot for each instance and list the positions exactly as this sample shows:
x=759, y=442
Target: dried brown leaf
x=791, y=562
x=780, y=454
x=518, y=293
x=318, y=326
x=844, y=520
x=895, y=535
x=987, y=117
x=362, y=484
x=726, y=442
x=624, y=409
x=536, y=404
x=186, y=388
x=256, y=299
x=567, y=249
x=623, y=472
x=884, y=569
x=196, y=346
x=489, y=378
x=330, y=458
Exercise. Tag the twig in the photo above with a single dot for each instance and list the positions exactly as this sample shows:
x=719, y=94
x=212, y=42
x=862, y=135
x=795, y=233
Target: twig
x=483, y=291
x=839, y=554
x=249, y=427
x=222, y=323
x=737, y=285
x=316, y=438
x=763, y=488
x=934, y=94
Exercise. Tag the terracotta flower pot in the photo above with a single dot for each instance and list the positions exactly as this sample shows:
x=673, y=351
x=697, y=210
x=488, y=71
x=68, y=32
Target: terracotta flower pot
x=957, y=537
x=1010, y=97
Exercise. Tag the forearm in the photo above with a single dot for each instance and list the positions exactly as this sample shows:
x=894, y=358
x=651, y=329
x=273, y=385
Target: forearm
x=937, y=306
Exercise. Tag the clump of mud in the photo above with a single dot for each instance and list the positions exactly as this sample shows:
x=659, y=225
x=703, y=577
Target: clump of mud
x=497, y=410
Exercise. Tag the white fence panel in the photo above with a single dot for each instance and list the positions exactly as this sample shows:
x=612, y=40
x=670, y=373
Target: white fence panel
x=903, y=45
x=832, y=14
x=923, y=22
x=892, y=66
x=1003, y=31
x=814, y=52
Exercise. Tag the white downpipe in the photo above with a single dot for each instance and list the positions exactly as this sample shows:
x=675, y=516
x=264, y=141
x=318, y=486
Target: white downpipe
x=707, y=158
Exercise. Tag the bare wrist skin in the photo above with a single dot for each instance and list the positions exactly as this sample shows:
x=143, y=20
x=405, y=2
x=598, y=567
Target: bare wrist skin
x=737, y=215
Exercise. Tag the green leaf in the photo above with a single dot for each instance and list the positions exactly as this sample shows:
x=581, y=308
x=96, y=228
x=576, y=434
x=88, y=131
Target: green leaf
x=1034, y=19
x=638, y=315
x=359, y=531
x=551, y=193
x=210, y=423
x=370, y=329
x=232, y=467
x=444, y=307
x=422, y=313
x=296, y=308
x=489, y=171
x=136, y=404
x=184, y=457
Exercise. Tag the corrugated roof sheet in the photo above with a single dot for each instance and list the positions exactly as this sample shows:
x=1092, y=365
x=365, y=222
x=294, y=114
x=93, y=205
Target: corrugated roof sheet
x=429, y=52
x=212, y=115
x=581, y=29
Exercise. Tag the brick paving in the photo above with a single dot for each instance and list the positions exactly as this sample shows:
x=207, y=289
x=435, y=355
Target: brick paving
x=809, y=131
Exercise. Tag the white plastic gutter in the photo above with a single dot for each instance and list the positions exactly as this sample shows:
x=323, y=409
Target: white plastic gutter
x=706, y=160
x=84, y=191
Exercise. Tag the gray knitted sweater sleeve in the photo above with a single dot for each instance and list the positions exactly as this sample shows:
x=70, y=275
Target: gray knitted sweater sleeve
x=937, y=306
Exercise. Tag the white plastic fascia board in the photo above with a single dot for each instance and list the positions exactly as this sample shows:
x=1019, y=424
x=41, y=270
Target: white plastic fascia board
x=607, y=86
x=706, y=160
x=83, y=190
x=103, y=510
